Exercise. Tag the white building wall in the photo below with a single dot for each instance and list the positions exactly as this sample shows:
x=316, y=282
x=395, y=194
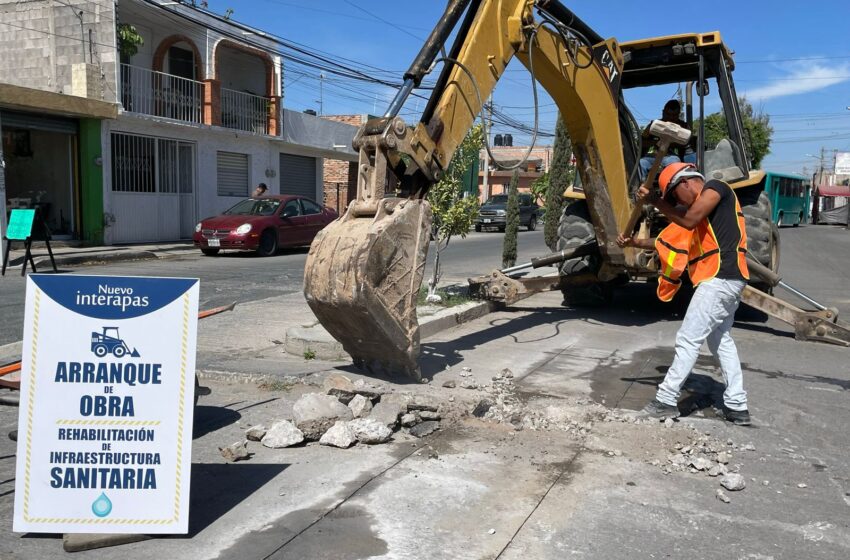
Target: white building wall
x=264, y=156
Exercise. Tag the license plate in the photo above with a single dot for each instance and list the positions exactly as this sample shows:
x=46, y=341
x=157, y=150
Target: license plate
x=486, y=220
x=214, y=242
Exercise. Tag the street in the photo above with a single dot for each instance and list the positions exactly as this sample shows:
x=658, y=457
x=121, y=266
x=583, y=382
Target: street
x=556, y=467
x=244, y=277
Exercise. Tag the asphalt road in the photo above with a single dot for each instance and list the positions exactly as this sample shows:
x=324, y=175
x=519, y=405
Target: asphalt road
x=482, y=489
x=243, y=277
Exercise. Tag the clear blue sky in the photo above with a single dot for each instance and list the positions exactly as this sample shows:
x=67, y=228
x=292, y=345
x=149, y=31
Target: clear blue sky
x=807, y=99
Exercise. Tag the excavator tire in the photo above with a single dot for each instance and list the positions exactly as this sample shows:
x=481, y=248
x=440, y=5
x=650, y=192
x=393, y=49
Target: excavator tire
x=762, y=236
x=574, y=229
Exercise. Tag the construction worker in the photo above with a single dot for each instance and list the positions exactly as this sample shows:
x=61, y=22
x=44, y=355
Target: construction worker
x=708, y=238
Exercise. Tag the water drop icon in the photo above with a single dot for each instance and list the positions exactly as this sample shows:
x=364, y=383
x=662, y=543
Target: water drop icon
x=102, y=506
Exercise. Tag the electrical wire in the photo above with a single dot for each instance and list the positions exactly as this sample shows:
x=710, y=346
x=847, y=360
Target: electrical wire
x=485, y=126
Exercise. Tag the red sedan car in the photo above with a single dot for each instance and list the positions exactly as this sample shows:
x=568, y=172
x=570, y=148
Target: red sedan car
x=263, y=225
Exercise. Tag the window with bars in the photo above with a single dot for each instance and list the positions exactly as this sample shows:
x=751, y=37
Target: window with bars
x=233, y=174
x=133, y=163
x=146, y=164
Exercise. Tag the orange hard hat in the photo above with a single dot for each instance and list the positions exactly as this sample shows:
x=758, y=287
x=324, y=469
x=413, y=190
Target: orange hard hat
x=673, y=173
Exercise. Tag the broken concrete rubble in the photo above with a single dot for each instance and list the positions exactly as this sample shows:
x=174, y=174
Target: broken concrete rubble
x=235, y=451
x=733, y=482
x=389, y=409
x=255, y=433
x=339, y=435
x=370, y=431
x=282, y=434
x=425, y=428
x=360, y=406
x=339, y=386
x=315, y=413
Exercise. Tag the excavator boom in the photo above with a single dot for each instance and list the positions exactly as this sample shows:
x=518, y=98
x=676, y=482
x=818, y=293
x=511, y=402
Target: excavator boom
x=364, y=271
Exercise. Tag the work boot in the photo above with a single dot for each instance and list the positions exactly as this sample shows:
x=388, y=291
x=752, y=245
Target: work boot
x=737, y=417
x=660, y=410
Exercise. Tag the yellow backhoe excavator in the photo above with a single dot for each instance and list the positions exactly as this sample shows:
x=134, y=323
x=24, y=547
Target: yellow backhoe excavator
x=364, y=271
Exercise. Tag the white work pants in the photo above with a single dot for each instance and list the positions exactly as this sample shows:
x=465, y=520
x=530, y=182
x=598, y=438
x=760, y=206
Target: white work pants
x=709, y=318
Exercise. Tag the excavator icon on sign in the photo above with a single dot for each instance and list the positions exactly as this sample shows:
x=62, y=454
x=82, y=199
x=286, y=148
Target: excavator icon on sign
x=110, y=341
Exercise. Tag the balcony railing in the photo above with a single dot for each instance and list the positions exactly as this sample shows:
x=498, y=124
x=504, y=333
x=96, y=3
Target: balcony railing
x=245, y=111
x=162, y=95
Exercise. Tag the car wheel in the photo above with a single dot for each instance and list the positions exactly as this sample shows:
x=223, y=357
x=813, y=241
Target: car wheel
x=268, y=244
x=532, y=223
x=478, y=227
x=502, y=229
x=210, y=252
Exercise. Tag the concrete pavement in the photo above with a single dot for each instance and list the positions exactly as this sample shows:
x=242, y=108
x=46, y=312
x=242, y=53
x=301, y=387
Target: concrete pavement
x=579, y=478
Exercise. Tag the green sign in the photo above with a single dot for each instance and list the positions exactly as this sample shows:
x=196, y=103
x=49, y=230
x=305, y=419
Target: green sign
x=20, y=224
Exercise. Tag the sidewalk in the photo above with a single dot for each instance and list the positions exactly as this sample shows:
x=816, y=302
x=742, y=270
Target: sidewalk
x=67, y=255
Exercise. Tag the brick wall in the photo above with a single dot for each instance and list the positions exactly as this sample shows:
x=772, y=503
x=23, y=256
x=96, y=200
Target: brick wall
x=42, y=55
x=340, y=177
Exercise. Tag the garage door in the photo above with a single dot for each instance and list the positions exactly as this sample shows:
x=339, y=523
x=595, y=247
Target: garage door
x=298, y=175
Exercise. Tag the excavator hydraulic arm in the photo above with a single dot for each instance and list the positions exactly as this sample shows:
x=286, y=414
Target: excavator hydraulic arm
x=364, y=271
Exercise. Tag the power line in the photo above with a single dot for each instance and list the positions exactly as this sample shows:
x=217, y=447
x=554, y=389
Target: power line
x=382, y=20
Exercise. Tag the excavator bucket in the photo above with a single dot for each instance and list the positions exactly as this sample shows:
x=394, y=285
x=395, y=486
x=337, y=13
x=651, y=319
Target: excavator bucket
x=362, y=279
x=364, y=271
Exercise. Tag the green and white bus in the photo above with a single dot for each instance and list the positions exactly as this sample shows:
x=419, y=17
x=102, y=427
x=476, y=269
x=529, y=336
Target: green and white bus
x=789, y=198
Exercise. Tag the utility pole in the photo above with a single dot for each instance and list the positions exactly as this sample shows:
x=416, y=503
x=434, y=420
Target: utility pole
x=489, y=118
x=321, y=94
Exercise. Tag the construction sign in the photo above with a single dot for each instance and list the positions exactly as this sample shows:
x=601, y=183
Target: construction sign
x=107, y=393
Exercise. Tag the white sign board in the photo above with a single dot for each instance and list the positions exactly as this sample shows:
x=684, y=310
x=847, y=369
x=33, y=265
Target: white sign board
x=842, y=163
x=107, y=392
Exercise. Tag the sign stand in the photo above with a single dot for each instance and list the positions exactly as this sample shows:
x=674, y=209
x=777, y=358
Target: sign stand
x=20, y=229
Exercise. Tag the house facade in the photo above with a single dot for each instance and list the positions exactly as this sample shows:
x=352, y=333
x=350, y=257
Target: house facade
x=200, y=119
x=493, y=180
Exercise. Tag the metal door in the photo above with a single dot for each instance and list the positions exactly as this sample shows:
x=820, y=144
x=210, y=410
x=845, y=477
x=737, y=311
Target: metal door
x=298, y=175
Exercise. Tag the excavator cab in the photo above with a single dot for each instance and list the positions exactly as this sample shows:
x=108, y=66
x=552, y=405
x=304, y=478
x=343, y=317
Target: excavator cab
x=364, y=271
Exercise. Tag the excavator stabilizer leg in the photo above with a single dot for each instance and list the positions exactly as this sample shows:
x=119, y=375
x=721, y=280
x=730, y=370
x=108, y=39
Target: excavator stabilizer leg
x=362, y=279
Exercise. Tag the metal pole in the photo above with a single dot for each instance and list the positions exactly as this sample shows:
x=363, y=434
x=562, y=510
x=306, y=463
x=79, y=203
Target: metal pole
x=800, y=295
x=486, y=185
x=400, y=98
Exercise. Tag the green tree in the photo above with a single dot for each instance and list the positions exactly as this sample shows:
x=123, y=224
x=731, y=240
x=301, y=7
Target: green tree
x=560, y=177
x=540, y=188
x=757, y=131
x=453, y=213
x=511, y=222
x=129, y=40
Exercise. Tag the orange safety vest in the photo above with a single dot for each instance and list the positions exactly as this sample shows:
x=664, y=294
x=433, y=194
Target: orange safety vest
x=696, y=251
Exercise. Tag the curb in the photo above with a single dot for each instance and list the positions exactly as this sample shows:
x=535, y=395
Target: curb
x=87, y=258
x=11, y=353
x=317, y=340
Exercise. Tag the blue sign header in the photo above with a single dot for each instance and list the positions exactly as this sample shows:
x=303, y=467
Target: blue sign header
x=112, y=297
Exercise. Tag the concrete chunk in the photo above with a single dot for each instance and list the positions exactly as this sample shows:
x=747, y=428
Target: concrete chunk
x=282, y=434
x=314, y=413
x=339, y=435
x=370, y=431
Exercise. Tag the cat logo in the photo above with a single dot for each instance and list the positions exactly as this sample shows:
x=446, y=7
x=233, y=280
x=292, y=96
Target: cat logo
x=606, y=61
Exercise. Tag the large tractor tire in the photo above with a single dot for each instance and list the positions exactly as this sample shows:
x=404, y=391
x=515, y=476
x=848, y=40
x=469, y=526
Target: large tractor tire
x=575, y=228
x=762, y=236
